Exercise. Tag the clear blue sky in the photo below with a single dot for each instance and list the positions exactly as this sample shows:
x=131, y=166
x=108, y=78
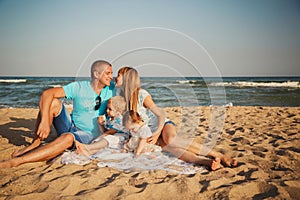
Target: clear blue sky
x=243, y=38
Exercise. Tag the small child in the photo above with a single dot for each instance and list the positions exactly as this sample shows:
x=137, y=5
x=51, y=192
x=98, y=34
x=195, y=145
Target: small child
x=114, y=134
x=139, y=133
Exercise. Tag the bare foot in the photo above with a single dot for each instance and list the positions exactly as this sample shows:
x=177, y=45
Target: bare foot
x=24, y=150
x=82, y=149
x=8, y=163
x=228, y=161
x=18, y=152
x=216, y=164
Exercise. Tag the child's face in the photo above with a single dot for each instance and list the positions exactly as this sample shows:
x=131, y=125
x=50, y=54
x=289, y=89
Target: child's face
x=110, y=110
x=132, y=127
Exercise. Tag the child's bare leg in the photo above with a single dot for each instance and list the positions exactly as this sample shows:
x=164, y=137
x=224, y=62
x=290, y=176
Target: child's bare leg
x=90, y=149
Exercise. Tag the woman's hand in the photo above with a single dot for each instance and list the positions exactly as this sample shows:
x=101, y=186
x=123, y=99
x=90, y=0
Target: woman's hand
x=153, y=139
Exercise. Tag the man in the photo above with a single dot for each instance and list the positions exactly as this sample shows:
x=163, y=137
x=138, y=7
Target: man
x=89, y=101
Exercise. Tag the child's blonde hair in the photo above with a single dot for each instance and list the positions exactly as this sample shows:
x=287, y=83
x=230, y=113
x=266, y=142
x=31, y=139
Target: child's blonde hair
x=118, y=103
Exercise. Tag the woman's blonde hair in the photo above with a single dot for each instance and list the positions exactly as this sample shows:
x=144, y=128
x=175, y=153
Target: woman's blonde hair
x=130, y=87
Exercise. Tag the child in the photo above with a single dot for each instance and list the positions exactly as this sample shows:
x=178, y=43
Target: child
x=139, y=133
x=114, y=135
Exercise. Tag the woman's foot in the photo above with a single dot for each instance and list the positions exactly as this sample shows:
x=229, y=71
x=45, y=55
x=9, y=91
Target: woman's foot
x=228, y=161
x=216, y=164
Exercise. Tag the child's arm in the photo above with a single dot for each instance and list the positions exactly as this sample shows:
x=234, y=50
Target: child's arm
x=101, y=122
x=140, y=147
x=110, y=132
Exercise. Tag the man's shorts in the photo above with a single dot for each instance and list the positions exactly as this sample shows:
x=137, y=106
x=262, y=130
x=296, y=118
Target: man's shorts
x=63, y=124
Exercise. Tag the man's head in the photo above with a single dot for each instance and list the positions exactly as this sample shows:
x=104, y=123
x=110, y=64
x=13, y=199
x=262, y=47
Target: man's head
x=102, y=71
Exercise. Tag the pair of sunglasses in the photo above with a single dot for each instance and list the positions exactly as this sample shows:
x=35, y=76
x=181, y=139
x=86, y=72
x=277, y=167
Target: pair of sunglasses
x=98, y=103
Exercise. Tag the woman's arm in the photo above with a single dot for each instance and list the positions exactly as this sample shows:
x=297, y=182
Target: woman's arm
x=149, y=104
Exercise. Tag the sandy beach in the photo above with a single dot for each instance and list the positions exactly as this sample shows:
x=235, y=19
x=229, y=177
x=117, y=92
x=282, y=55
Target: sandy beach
x=264, y=140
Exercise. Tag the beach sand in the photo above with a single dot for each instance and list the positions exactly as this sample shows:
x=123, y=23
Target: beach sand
x=264, y=140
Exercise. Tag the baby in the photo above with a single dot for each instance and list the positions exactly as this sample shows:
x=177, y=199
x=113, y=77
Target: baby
x=139, y=133
x=114, y=134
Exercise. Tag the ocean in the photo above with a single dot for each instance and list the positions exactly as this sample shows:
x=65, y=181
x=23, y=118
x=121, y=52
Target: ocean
x=24, y=92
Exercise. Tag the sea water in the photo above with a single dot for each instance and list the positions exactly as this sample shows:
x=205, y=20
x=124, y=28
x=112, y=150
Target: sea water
x=172, y=91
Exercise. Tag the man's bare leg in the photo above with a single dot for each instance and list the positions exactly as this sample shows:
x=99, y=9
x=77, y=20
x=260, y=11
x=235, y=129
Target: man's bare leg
x=42, y=153
x=55, y=109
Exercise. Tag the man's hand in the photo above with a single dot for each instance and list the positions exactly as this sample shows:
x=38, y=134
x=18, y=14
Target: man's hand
x=43, y=131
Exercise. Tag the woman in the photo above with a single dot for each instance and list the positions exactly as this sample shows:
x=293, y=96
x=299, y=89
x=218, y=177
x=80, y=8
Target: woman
x=139, y=100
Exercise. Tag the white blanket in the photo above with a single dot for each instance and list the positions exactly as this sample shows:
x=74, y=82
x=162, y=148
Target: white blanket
x=125, y=161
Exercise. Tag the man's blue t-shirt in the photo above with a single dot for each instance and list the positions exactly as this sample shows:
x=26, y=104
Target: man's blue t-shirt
x=84, y=97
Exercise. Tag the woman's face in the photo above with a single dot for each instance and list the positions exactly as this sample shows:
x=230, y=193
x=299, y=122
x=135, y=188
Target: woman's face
x=119, y=80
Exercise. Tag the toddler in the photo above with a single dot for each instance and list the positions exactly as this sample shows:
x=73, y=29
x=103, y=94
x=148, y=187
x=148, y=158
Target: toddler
x=139, y=132
x=114, y=134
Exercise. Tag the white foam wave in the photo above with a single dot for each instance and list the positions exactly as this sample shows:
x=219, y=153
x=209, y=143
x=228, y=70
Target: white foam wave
x=12, y=80
x=287, y=84
x=187, y=81
x=55, y=86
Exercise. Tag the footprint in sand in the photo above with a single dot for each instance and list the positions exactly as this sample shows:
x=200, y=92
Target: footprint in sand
x=254, y=190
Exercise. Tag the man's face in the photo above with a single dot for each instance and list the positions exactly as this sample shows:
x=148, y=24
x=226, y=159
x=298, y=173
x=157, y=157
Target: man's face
x=106, y=76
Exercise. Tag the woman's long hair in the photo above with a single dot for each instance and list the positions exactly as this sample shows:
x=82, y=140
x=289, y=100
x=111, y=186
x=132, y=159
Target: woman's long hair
x=130, y=87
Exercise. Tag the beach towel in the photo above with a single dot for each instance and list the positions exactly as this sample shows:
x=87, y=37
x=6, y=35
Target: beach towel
x=114, y=158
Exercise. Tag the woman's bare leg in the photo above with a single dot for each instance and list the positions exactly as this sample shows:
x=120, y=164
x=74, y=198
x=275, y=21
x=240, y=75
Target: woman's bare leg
x=42, y=153
x=190, y=157
x=170, y=137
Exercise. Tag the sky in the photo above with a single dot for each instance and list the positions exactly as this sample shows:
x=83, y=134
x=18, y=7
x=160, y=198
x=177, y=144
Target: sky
x=158, y=37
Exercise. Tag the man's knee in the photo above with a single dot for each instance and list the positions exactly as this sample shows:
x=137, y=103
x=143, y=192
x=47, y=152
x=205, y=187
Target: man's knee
x=68, y=139
x=56, y=107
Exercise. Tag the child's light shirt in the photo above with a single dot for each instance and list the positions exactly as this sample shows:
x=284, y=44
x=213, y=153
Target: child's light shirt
x=144, y=132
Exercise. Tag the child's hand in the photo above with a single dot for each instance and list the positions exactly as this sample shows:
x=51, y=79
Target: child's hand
x=101, y=119
x=136, y=154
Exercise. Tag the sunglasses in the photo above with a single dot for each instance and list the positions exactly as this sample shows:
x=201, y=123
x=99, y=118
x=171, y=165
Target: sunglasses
x=98, y=102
